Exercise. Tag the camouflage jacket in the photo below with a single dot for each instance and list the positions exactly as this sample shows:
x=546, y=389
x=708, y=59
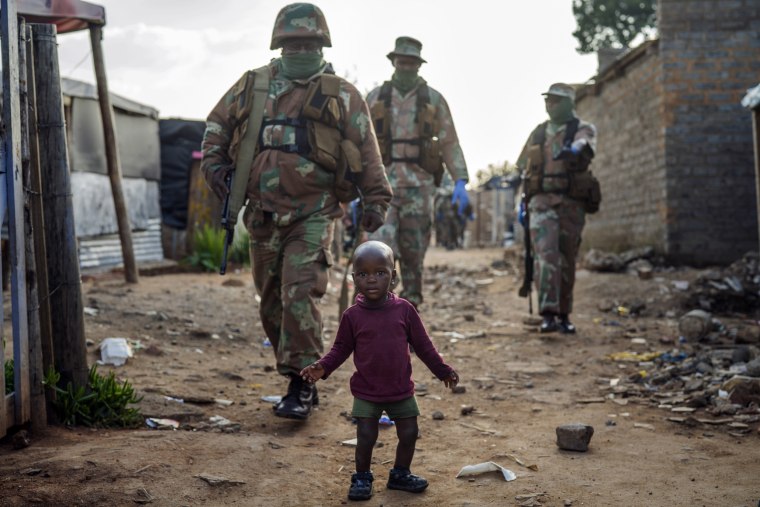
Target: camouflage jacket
x=551, y=148
x=403, y=126
x=286, y=184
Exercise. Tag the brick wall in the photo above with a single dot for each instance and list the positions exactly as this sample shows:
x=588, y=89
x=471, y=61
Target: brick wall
x=710, y=51
x=627, y=108
x=675, y=153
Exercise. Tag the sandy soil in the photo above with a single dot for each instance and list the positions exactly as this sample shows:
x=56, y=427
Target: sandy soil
x=200, y=341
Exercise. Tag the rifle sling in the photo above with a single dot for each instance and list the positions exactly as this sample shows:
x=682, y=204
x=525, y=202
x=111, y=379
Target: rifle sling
x=257, y=96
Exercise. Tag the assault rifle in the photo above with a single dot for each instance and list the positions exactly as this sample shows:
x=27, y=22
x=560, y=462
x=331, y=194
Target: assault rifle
x=527, y=286
x=227, y=225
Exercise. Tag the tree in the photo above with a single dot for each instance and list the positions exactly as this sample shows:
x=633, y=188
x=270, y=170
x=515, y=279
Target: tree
x=612, y=23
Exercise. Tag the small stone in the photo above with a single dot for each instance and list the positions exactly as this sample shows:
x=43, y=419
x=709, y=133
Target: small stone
x=574, y=437
x=459, y=389
x=568, y=503
x=438, y=415
x=753, y=368
x=467, y=409
x=741, y=354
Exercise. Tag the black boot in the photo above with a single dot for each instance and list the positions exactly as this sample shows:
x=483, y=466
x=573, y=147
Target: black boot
x=565, y=326
x=299, y=400
x=548, y=323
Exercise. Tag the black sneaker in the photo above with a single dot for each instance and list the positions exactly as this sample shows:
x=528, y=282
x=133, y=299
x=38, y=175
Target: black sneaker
x=549, y=323
x=405, y=480
x=361, y=486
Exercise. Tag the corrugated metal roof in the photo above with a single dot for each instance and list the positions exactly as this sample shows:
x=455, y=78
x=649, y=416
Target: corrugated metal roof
x=75, y=88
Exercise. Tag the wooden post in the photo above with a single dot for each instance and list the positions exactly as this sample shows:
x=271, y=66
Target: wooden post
x=12, y=165
x=35, y=373
x=112, y=156
x=756, y=138
x=38, y=225
x=65, y=292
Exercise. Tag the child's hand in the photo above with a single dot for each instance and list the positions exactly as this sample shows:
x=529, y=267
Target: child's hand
x=452, y=380
x=312, y=373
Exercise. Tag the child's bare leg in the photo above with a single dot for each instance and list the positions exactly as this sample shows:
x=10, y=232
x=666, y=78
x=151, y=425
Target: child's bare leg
x=366, y=436
x=406, y=430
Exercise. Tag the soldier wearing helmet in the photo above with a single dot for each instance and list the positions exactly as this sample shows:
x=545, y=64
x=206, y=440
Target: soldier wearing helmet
x=418, y=142
x=293, y=139
x=557, y=194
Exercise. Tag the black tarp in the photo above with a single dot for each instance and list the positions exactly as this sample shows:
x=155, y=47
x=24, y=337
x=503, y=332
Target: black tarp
x=179, y=139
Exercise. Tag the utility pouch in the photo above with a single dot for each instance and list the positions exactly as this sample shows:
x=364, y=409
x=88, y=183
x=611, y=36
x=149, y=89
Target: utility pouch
x=430, y=158
x=324, y=145
x=584, y=187
x=427, y=121
x=349, y=169
x=321, y=102
x=534, y=170
x=382, y=124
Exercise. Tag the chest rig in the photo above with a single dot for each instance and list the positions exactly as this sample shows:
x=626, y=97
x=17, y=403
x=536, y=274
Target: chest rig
x=427, y=127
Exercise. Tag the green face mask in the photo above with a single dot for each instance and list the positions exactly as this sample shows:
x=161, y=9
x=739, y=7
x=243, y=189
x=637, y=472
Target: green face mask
x=562, y=111
x=404, y=80
x=301, y=65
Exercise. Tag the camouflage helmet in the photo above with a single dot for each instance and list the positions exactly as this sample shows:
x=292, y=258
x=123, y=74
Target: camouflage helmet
x=300, y=21
x=561, y=90
x=407, y=46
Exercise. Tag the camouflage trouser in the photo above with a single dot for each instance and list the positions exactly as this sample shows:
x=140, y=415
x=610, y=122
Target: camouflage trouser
x=446, y=230
x=290, y=272
x=407, y=231
x=556, y=224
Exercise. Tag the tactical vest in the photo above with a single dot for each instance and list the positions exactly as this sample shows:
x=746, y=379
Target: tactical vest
x=426, y=121
x=582, y=185
x=319, y=136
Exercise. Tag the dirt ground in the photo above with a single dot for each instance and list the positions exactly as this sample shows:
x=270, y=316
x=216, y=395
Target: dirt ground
x=197, y=339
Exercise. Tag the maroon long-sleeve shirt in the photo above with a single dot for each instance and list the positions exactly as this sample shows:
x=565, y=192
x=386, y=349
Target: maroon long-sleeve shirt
x=379, y=339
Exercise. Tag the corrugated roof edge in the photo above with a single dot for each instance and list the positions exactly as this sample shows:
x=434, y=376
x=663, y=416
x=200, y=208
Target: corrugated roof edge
x=81, y=89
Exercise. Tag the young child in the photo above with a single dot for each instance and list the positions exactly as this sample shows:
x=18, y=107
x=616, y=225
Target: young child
x=379, y=329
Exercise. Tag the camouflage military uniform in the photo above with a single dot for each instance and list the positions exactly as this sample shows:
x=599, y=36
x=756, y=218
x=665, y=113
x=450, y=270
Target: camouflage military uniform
x=292, y=203
x=408, y=225
x=556, y=221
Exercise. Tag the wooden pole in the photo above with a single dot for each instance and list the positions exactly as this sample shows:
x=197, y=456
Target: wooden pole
x=756, y=138
x=38, y=225
x=12, y=164
x=112, y=156
x=36, y=372
x=65, y=293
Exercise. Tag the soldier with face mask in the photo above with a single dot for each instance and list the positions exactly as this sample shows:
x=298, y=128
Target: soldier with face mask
x=418, y=141
x=554, y=164
x=295, y=140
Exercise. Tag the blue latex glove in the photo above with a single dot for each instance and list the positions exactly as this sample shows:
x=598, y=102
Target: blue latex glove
x=522, y=213
x=460, y=194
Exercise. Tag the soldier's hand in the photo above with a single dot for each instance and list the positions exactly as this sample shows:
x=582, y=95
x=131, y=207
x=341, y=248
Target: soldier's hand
x=460, y=194
x=371, y=221
x=219, y=182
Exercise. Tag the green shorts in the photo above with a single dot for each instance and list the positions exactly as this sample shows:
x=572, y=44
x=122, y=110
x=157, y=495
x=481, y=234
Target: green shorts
x=394, y=409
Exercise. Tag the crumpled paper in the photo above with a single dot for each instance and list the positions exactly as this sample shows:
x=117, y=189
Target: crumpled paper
x=488, y=466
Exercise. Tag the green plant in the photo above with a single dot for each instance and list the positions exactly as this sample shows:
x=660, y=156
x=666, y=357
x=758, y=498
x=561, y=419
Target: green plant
x=104, y=402
x=9, y=386
x=208, y=248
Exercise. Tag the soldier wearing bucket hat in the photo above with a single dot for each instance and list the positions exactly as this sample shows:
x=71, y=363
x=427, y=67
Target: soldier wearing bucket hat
x=558, y=191
x=260, y=136
x=418, y=142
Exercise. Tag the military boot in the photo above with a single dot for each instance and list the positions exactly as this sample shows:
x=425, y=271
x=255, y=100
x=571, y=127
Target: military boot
x=548, y=323
x=565, y=326
x=299, y=400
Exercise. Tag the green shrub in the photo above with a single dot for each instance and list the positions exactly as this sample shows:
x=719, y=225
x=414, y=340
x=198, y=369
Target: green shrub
x=104, y=402
x=209, y=248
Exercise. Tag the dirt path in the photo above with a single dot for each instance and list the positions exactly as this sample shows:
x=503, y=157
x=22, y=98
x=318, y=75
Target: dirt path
x=200, y=340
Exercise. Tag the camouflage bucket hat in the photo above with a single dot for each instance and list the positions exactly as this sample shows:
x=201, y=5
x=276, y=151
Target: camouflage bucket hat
x=561, y=90
x=407, y=46
x=300, y=21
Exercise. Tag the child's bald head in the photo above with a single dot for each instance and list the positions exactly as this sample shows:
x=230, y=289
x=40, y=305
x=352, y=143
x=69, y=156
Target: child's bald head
x=374, y=249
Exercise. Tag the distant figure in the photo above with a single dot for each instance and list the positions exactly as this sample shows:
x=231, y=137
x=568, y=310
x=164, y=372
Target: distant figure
x=558, y=191
x=417, y=139
x=378, y=330
x=293, y=183
x=446, y=229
